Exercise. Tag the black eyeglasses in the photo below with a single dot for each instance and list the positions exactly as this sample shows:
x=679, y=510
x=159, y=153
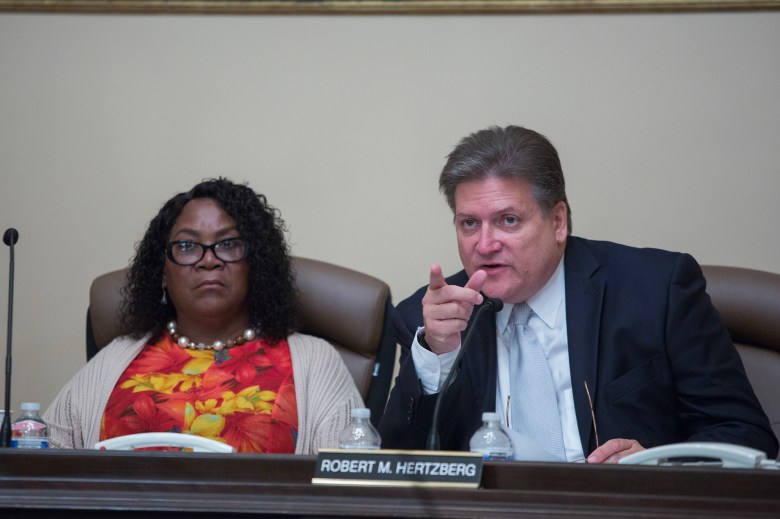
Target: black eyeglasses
x=188, y=252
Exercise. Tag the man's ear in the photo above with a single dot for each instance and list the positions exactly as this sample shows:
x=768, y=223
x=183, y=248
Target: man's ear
x=560, y=221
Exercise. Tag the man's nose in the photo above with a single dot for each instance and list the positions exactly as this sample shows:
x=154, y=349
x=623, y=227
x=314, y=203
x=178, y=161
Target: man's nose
x=488, y=241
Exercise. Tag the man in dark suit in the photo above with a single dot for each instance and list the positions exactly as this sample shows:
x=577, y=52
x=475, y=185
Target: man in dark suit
x=637, y=355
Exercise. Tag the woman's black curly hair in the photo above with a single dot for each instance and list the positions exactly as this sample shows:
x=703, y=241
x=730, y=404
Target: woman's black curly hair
x=272, y=296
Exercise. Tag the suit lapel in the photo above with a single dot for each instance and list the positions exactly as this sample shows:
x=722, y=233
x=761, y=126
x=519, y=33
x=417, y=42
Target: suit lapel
x=584, y=297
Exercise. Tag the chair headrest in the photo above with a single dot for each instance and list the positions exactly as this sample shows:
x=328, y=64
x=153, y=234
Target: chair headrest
x=749, y=302
x=338, y=304
x=104, y=300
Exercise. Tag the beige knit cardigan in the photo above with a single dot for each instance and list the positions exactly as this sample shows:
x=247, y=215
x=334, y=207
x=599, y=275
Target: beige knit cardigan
x=324, y=390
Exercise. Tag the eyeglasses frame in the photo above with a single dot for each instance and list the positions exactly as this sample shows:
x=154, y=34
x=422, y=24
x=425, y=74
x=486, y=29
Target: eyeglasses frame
x=205, y=248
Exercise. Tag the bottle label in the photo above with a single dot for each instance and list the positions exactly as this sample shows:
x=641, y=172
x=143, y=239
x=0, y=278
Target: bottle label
x=23, y=426
x=494, y=454
x=29, y=443
x=359, y=447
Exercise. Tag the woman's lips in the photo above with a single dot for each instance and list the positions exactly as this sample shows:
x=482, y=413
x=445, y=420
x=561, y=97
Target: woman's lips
x=209, y=283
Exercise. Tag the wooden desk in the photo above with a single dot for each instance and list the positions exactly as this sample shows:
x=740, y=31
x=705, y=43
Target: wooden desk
x=59, y=483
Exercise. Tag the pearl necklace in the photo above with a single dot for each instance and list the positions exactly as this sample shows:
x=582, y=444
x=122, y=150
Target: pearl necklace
x=248, y=335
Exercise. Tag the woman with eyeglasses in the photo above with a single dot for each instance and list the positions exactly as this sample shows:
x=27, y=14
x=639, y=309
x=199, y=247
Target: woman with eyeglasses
x=209, y=347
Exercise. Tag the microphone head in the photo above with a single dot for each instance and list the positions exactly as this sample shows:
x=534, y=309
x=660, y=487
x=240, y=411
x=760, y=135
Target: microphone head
x=496, y=305
x=11, y=236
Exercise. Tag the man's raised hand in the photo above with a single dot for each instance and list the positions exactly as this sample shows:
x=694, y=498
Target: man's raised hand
x=447, y=309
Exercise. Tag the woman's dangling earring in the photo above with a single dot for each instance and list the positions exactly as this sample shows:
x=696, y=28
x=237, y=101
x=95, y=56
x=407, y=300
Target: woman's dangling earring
x=164, y=299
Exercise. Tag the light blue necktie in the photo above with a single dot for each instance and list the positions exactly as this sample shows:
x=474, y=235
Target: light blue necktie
x=534, y=403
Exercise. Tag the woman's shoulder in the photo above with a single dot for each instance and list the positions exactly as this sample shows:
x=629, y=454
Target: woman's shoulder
x=315, y=353
x=119, y=352
x=310, y=344
x=108, y=361
x=122, y=344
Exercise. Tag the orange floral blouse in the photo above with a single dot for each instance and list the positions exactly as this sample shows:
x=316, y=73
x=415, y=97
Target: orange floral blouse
x=243, y=396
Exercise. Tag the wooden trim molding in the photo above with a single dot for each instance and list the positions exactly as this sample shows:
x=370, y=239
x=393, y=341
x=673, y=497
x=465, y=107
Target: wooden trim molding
x=265, y=7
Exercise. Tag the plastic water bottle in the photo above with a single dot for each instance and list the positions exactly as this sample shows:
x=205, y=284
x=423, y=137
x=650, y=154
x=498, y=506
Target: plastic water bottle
x=360, y=434
x=490, y=440
x=29, y=431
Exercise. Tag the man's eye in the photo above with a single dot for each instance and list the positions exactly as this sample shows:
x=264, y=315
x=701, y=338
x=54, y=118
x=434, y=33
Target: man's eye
x=511, y=220
x=469, y=223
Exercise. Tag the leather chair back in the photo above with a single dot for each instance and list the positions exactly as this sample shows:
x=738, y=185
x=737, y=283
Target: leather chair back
x=749, y=302
x=349, y=309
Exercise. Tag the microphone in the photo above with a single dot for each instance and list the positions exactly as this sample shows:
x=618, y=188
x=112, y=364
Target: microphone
x=10, y=238
x=492, y=304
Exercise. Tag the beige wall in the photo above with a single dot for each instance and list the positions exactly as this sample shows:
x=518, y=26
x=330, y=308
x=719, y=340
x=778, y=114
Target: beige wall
x=668, y=128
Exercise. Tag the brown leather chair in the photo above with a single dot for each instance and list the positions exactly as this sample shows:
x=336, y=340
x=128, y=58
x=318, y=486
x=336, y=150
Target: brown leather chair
x=349, y=309
x=749, y=302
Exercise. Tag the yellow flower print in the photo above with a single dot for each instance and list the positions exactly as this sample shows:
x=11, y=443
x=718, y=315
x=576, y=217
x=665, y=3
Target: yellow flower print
x=209, y=426
x=160, y=383
x=190, y=381
x=200, y=363
x=249, y=399
x=209, y=406
x=189, y=415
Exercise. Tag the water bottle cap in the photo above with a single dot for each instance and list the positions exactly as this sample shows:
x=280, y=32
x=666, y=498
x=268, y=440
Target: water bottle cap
x=361, y=412
x=491, y=417
x=30, y=406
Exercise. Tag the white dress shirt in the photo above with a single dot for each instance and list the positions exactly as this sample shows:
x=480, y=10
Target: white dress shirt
x=549, y=324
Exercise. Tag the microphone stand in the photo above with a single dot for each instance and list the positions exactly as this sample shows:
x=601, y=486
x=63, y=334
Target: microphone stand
x=9, y=238
x=494, y=305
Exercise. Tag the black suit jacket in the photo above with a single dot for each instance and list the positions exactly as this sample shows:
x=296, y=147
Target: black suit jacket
x=659, y=363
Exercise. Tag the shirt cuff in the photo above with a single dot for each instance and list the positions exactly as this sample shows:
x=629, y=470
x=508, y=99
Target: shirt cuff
x=431, y=369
